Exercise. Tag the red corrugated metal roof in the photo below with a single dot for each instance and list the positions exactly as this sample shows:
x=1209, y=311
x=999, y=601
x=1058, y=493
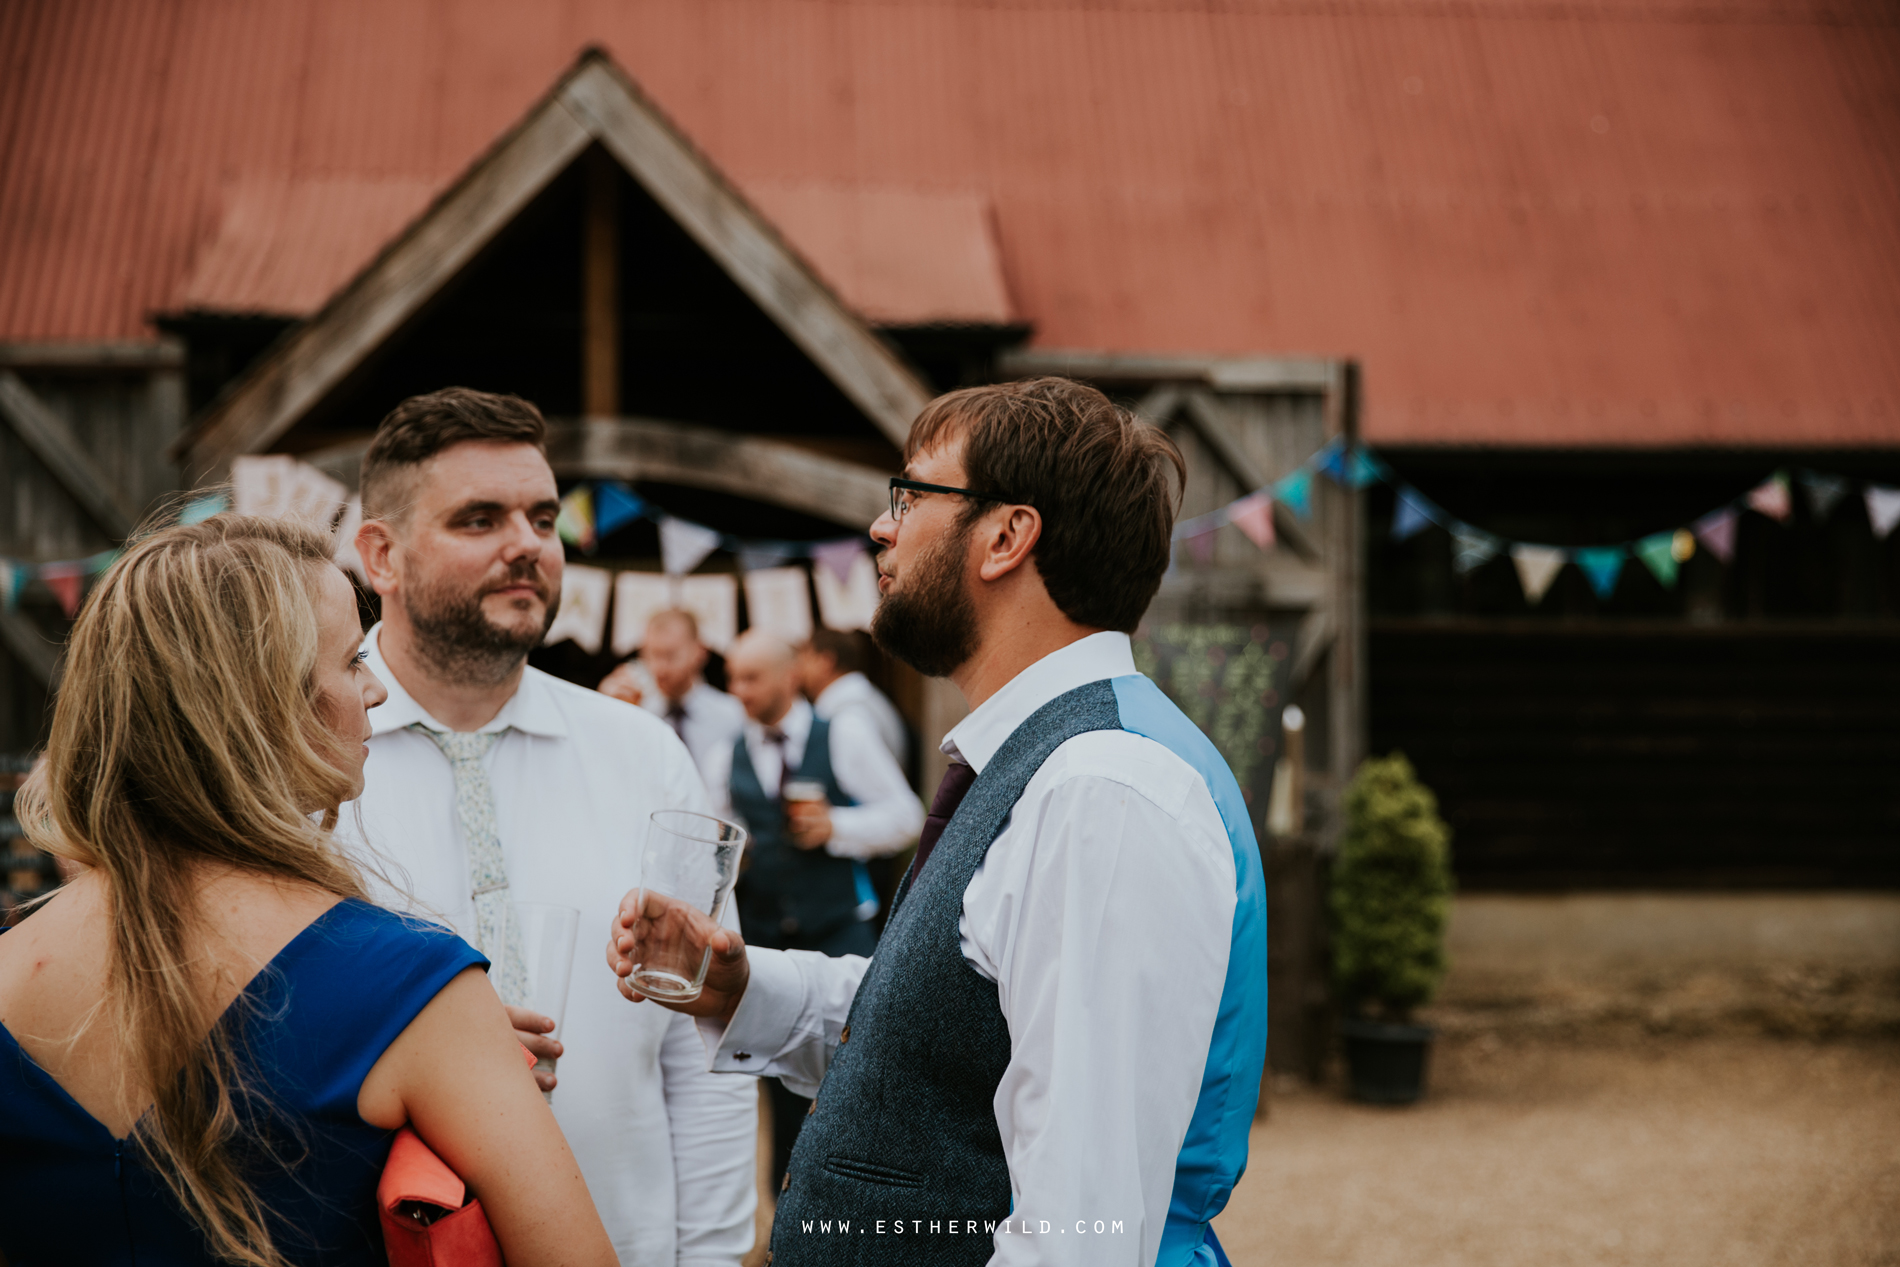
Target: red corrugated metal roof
x=1542, y=221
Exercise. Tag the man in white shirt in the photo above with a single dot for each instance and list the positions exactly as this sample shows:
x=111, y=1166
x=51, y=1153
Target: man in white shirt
x=1054, y=1056
x=806, y=886
x=831, y=673
x=673, y=660
x=489, y=782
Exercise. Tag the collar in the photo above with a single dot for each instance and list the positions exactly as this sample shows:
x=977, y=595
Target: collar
x=975, y=739
x=796, y=724
x=531, y=709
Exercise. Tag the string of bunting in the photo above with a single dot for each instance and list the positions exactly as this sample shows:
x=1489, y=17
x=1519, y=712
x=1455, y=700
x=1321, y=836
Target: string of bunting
x=67, y=578
x=1537, y=565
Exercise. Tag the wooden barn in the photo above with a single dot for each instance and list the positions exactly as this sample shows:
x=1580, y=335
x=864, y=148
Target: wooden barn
x=1575, y=277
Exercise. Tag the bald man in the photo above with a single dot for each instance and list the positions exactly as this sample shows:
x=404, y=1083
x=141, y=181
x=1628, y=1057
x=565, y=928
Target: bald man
x=806, y=886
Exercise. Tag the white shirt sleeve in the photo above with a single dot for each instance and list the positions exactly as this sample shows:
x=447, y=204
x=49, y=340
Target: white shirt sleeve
x=788, y=1023
x=1109, y=965
x=714, y=1123
x=888, y=815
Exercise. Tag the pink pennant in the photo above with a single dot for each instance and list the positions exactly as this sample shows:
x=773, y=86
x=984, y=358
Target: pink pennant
x=1716, y=530
x=1253, y=515
x=68, y=583
x=1201, y=546
x=1770, y=497
x=838, y=556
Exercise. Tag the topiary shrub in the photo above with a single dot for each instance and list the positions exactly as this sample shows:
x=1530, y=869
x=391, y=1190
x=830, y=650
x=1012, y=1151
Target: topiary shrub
x=1391, y=892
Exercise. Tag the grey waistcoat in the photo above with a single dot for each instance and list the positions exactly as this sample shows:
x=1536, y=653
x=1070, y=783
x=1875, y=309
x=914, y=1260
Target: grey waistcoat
x=904, y=1126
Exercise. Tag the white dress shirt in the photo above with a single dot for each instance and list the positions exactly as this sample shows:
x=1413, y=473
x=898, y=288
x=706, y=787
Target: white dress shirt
x=854, y=691
x=887, y=816
x=667, y=1149
x=712, y=723
x=1103, y=912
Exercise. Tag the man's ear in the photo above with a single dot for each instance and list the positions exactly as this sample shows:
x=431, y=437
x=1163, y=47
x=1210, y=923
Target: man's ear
x=1008, y=541
x=376, y=545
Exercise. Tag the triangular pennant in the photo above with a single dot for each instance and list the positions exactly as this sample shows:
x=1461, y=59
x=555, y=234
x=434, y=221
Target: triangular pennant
x=13, y=577
x=1537, y=567
x=68, y=583
x=778, y=601
x=1602, y=565
x=1682, y=545
x=583, y=613
x=1824, y=492
x=1883, y=509
x=1331, y=460
x=1411, y=514
x=1201, y=546
x=615, y=506
x=637, y=595
x=576, y=521
x=1716, y=530
x=1658, y=553
x=684, y=546
x=1770, y=498
x=199, y=509
x=1472, y=548
x=838, y=557
x=1296, y=491
x=754, y=555
x=849, y=603
x=1362, y=469
x=714, y=602
x=1253, y=515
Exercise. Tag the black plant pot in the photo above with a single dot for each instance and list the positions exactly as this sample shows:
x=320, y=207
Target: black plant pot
x=1386, y=1062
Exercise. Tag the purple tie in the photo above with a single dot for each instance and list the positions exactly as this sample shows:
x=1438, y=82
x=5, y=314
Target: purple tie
x=956, y=781
x=676, y=717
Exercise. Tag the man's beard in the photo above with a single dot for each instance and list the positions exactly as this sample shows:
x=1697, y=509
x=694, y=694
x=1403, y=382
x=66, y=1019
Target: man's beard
x=930, y=624
x=461, y=643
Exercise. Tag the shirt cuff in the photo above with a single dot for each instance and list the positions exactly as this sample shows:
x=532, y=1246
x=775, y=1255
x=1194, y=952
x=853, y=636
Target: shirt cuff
x=763, y=1022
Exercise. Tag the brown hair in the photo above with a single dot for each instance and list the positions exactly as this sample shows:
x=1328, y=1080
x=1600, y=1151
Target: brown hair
x=1097, y=474
x=187, y=733
x=846, y=649
x=423, y=426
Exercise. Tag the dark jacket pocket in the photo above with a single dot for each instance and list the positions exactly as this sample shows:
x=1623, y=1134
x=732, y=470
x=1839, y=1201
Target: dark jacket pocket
x=871, y=1172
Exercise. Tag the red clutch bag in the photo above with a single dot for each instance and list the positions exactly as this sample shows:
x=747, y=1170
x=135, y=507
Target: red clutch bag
x=427, y=1218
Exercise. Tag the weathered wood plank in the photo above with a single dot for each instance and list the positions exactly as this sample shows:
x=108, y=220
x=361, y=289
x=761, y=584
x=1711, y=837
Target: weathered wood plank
x=717, y=216
x=40, y=657
x=52, y=442
x=438, y=246
x=770, y=471
x=1210, y=421
x=600, y=289
x=107, y=355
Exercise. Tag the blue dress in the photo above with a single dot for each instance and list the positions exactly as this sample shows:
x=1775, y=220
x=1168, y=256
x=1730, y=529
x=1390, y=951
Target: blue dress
x=310, y=1026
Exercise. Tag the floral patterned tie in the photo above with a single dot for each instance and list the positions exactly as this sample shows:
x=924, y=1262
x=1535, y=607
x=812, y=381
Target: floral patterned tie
x=496, y=933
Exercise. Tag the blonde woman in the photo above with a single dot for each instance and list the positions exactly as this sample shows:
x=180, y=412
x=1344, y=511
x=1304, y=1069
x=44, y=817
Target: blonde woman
x=210, y=1036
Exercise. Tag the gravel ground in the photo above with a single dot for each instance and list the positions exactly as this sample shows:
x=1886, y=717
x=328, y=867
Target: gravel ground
x=1731, y=1151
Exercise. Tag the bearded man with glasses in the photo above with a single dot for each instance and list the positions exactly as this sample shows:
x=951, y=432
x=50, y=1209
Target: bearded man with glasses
x=1054, y=1055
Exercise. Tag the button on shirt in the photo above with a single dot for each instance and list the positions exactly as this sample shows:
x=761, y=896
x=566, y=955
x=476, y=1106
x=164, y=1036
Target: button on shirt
x=667, y=1149
x=854, y=691
x=887, y=816
x=1103, y=912
x=712, y=722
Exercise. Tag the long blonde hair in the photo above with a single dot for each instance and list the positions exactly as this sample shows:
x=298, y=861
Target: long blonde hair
x=187, y=734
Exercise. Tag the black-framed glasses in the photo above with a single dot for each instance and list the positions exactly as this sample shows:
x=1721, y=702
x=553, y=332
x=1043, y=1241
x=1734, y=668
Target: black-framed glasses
x=900, y=505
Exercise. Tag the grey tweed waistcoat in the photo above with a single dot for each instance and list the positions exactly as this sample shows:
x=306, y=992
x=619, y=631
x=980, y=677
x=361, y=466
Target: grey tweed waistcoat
x=904, y=1127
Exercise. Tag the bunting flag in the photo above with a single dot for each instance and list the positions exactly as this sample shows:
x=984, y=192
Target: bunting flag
x=1602, y=565
x=1411, y=514
x=1363, y=469
x=1331, y=461
x=1201, y=546
x=13, y=578
x=1537, y=567
x=1658, y=553
x=576, y=522
x=1824, y=492
x=770, y=554
x=684, y=546
x=714, y=602
x=1253, y=515
x=278, y=486
x=1770, y=498
x=68, y=583
x=1296, y=491
x=615, y=506
x=1716, y=530
x=345, y=555
x=1682, y=545
x=1472, y=548
x=637, y=595
x=850, y=603
x=838, y=558
x=778, y=600
x=199, y=509
x=583, y=612
x=1883, y=509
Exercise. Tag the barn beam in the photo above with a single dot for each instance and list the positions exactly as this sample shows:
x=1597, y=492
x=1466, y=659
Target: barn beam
x=772, y=471
x=53, y=443
x=600, y=288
